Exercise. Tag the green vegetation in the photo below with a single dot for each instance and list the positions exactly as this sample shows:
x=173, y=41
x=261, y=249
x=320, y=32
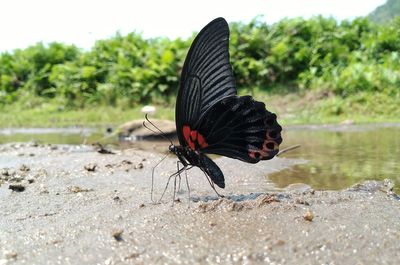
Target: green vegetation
x=315, y=70
x=385, y=12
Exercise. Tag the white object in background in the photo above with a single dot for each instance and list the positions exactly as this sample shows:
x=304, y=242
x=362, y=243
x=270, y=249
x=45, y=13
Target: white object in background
x=148, y=109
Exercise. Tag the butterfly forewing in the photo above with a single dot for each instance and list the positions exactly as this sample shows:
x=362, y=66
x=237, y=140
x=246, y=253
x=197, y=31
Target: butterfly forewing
x=206, y=75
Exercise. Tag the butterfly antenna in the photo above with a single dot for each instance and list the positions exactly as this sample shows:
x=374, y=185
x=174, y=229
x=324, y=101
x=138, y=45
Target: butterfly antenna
x=160, y=133
x=157, y=133
x=152, y=175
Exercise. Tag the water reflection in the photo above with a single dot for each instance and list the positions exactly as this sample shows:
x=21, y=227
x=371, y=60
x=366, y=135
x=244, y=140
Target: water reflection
x=341, y=156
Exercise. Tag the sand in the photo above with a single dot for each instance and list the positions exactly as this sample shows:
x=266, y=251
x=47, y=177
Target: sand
x=63, y=204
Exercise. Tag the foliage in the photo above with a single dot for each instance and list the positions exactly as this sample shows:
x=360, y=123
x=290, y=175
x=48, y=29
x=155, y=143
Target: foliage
x=308, y=54
x=385, y=12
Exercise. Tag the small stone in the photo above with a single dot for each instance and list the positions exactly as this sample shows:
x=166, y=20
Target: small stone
x=24, y=168
x=77, y=189
x=117, y=234
x=90, y=167
x=44, y=190
x=132, y=256
x=308, y=216
x=33, y=144
x=301, y=201
x=109, y=261
x=139, y=166
x=6, y=172
x=53, y=147
x=10, y=255
x=126, y=162
x=16, y=187
x=212, y=224
x=280, y=242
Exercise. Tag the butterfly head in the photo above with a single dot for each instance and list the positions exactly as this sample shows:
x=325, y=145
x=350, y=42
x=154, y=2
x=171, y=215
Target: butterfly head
x=172, y=148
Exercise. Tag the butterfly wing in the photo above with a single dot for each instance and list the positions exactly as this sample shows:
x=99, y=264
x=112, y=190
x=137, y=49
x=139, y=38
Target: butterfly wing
x=210, y=117
x=236, y=127
x=206, y=76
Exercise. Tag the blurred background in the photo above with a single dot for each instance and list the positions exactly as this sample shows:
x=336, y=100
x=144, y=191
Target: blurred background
x=92, y=64
x=315, y=61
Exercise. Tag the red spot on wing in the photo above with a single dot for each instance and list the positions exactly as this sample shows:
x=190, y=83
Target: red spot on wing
x=187, y=134
x=193, y=135
x=269, y=148
x=193, y=138
x=201, y=141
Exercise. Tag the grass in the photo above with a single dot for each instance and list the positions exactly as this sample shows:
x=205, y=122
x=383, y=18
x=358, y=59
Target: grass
x=49, y=116
x=292, y=107
x=322, y=107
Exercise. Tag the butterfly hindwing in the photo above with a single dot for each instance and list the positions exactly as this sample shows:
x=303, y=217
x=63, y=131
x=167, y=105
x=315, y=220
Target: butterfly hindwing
x=206, y=75
x=241, y=128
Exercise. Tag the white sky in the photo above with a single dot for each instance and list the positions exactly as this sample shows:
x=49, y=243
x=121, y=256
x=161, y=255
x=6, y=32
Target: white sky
x=81, y=22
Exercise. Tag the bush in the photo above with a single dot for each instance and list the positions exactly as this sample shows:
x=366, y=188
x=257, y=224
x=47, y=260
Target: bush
x=317, y=53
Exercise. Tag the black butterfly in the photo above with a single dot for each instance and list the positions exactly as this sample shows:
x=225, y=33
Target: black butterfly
x=211, y=118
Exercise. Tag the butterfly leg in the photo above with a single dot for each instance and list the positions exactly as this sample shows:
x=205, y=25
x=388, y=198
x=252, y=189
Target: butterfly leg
x=187, y=185
x=212, y=185
x=169, y=179
x=179, y=176
x=176, y=191
x=173, y=198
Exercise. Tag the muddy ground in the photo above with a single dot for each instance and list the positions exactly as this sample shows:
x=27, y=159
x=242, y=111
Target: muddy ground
x=72, y=205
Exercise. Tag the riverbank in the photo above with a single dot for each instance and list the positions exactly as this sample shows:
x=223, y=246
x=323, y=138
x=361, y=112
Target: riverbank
x=312, y=107
x=72, y=204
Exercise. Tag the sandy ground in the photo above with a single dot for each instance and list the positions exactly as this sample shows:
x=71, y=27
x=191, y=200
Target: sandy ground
x=73, y=205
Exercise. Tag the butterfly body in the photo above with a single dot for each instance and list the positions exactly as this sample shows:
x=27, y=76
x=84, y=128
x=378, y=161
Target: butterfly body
x=189, y=157
x=211, y=118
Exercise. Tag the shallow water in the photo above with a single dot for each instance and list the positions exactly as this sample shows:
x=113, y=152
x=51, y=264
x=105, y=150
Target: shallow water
x=339, y=156
x=342, y=156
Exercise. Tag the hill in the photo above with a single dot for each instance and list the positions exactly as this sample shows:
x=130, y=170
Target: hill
x=385, y=12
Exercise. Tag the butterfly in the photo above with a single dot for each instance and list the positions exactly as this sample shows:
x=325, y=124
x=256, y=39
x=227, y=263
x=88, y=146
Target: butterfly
x=211, y=118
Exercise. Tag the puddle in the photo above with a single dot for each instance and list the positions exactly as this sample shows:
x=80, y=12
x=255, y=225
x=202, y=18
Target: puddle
x=340, y=156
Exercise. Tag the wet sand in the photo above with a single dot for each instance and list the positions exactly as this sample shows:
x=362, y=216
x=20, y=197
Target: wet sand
x=72, y=205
